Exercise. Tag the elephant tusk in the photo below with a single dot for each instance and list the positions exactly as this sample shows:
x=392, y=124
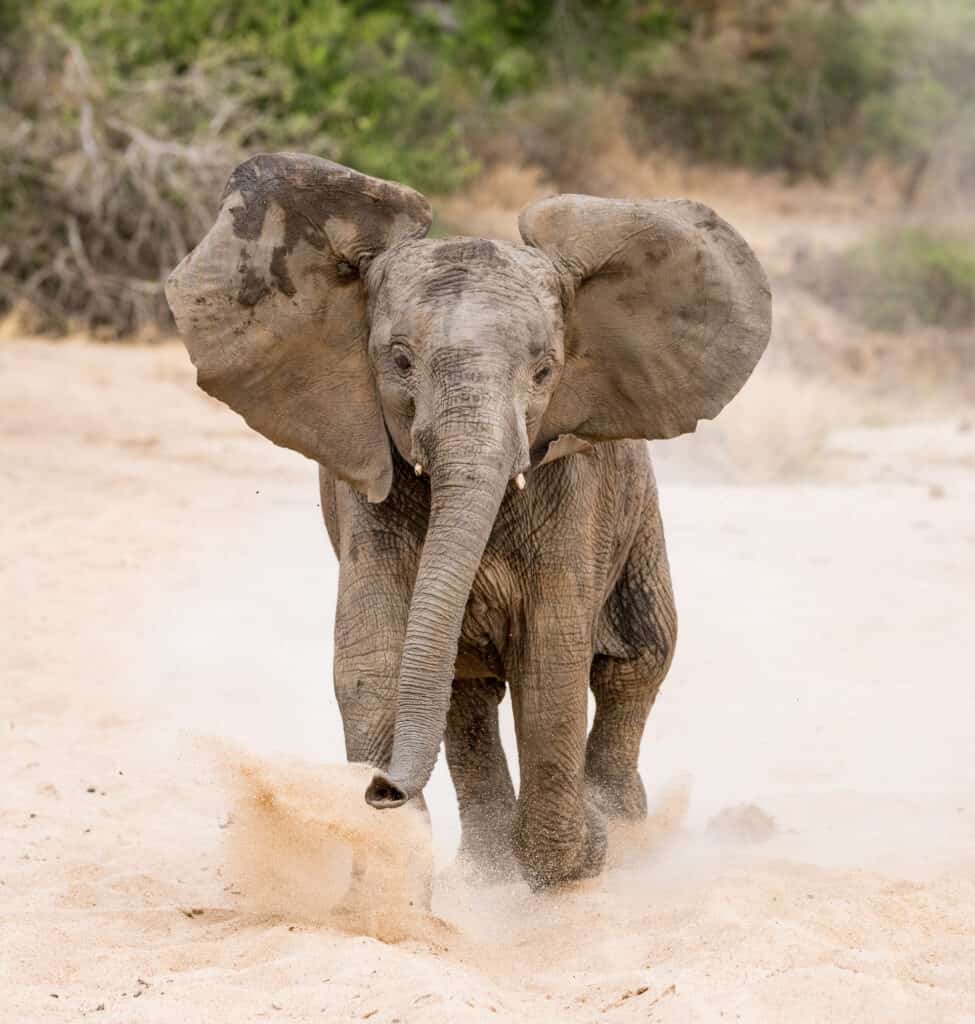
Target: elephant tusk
x=418, y=469
x=520, y=481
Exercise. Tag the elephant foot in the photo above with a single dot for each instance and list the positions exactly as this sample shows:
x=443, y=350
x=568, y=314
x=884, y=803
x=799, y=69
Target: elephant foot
x=548, y=863
x=619, y=799
x=593, y=855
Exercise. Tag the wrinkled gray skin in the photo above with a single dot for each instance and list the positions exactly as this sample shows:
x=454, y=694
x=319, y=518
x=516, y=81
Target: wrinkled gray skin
x=317, y=309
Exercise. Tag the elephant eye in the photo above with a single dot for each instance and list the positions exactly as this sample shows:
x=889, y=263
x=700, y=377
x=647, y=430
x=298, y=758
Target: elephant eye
x=402, y=359
x=542, y=374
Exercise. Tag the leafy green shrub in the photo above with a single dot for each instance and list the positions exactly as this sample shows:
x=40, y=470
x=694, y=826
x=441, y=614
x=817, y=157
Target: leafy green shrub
x=407, y=88
x=899, y=280
x=119, y=119
x=357, y=82
x=924, y=56
x=395, y=88
x=810, y=87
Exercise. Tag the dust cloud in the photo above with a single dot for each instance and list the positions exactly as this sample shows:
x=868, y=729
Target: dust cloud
x=302, y=844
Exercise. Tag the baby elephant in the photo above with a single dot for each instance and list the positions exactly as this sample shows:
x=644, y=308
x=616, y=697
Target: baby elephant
x=478, y=411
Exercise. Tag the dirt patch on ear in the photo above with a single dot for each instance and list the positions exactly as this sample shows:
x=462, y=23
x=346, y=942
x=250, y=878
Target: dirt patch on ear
x=303, y=845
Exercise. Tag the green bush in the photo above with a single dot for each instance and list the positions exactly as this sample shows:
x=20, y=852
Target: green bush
x=811, y=87
x=924, y=60
x=119, y=118
x=405, y=88
x=395, y=88
x=899, y=280
x=357, y=82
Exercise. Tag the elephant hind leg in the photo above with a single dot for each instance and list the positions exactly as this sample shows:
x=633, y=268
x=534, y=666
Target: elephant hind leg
x=635, y=645
x=479, y=769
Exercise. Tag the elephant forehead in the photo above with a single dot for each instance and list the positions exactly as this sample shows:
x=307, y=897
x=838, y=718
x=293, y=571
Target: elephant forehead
x=438, y=271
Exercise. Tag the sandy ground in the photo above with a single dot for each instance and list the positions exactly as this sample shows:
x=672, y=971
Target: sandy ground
x=168, y=588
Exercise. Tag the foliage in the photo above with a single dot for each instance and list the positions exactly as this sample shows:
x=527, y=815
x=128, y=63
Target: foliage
x=339, y=79
x=903, y=279
x=120, y=118
x=389, y=87
x=404, y=88
x=94, y=210
x=811, y=87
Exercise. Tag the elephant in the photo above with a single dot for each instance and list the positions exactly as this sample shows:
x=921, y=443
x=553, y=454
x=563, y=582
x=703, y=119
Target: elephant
x=479, y=411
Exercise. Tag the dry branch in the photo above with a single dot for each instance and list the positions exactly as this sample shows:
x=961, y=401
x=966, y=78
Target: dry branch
x=95, y=208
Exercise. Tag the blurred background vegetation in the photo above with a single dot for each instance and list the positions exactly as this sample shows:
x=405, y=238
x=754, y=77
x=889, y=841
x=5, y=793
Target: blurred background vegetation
x=120, y=120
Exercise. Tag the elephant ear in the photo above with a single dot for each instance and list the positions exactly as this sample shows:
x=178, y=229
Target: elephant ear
x=670, y=312
x=272, y=306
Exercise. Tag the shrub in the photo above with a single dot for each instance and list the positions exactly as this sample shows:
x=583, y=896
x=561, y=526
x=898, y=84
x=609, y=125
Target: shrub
x=902, y=279
x=354, y=81
x=119, y=119
x=95, y=210
x=809, y=87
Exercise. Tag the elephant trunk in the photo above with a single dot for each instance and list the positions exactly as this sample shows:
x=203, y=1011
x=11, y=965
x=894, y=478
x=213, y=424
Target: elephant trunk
x=467, y=481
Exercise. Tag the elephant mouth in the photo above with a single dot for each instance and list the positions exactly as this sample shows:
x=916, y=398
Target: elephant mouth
x=384, y=794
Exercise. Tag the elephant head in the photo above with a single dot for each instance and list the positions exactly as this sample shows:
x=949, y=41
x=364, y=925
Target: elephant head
x=316, y=309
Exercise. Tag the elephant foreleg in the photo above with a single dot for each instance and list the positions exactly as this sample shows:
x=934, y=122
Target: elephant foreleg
x=370, y=622
x=479, y=769
x=559, y=834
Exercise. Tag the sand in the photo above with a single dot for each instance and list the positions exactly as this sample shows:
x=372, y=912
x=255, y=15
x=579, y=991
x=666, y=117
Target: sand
x=168, y=761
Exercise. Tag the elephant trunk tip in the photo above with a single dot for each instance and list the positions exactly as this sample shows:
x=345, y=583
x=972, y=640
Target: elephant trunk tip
x=383, y=793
